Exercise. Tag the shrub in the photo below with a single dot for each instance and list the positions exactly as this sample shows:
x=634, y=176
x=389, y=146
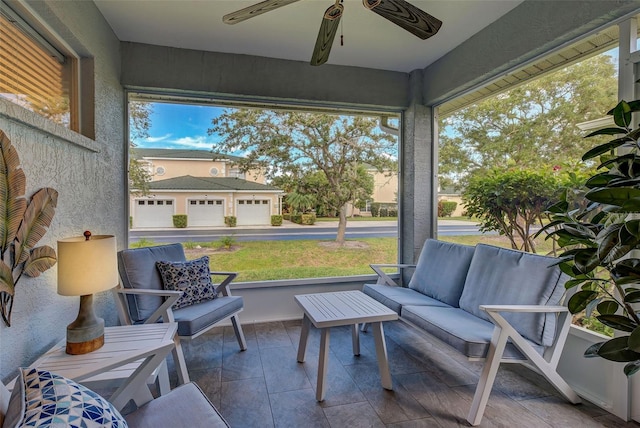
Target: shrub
x=286, y=216
x=227, y=242
x=375, y=209
x=308, y=219
x=276, y=220
x=446, y=208
x=230, y=220
x=180, y=220
x=142, y=243
x=296, y=218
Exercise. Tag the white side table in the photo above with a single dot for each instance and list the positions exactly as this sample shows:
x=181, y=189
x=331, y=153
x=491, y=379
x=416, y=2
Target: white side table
x=130, y=355
x=326, y=310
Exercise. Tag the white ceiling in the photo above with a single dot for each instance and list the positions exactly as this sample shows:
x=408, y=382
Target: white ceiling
x=290, y=32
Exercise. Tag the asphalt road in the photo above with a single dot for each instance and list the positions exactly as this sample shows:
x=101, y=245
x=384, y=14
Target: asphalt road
x=382, y=229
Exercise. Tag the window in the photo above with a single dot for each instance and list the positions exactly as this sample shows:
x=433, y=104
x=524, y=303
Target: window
x=34, y=74
x=151, y=202
x=253, y=202
x=160, y=202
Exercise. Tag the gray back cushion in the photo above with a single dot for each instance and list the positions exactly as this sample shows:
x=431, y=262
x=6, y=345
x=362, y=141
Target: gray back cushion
x=441, y=270
x=137, y=268
x=499, y=276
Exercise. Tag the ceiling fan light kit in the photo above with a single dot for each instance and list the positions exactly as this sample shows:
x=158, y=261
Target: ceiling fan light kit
x=400, y=12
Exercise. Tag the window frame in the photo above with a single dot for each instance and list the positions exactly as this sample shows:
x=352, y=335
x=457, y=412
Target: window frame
x=166, y=96
x=29, y=22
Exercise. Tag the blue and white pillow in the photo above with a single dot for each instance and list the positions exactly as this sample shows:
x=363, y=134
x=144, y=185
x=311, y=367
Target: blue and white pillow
x=192, y=277
x=44, y=399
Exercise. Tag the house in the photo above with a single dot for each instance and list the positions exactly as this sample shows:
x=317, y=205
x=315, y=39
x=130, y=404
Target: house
x=109, y=50
x=205, y=186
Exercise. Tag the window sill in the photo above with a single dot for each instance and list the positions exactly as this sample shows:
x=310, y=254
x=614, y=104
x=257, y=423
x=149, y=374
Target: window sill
x=329, y=281
x=32, y=120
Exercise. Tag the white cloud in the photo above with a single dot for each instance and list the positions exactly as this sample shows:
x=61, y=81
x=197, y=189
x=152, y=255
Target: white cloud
x=193, y=142
x=156, y=139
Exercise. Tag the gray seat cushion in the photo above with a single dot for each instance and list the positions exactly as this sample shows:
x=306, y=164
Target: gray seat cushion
x=441, y=270
x=396, y=297
x=192, y=319
x=185, y=406
x=499, y=276
x=137, y=268
x=465, y=332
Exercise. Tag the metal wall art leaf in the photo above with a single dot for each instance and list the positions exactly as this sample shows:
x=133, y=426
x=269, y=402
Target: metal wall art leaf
x=22, y=224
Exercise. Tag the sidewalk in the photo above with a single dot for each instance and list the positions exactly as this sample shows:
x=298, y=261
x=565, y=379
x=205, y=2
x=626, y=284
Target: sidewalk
x=320, y=224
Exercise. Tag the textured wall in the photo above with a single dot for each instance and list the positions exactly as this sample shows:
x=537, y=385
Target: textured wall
x=253, y=77
x=87, y=174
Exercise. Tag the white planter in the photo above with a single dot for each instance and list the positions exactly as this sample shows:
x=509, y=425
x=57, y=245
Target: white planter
x=598, y=380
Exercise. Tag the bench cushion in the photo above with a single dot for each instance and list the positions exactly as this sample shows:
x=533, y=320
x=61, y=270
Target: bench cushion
x=193, y=319
x=441, y=270
x=137, y=269
x=465, y=332
x=185, y=406
x=499, y=276
x=396, y=297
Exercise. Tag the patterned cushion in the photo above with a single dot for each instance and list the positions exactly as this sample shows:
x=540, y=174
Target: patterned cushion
x=43, y=399
x=193, y=278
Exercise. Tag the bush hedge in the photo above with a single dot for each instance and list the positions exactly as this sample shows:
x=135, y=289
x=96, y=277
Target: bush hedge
x=180, y=221
x=307, y=219
x=230, y=220
x=446, y=208
x=380, y=209
x=276, y=220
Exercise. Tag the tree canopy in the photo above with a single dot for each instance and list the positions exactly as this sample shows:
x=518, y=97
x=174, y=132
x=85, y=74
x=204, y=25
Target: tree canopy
x=294, y=144
x=139, y=125
x=532, y=126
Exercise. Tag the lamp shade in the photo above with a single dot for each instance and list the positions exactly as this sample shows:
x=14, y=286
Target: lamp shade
x=87, y=266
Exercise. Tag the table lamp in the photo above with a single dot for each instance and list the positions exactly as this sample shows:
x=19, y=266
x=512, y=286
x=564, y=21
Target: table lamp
x=86, y=265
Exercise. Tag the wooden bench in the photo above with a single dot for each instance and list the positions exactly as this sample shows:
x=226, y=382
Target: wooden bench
x=489, y=303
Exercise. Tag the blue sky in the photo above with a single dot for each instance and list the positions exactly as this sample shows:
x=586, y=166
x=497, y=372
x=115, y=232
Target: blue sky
x=180, y=126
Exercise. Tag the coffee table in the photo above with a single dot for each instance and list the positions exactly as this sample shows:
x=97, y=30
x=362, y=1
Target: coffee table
x=129, y=356
x=326, y=310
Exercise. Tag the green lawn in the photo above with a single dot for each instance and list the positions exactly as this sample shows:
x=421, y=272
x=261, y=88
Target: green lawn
x=272, y=260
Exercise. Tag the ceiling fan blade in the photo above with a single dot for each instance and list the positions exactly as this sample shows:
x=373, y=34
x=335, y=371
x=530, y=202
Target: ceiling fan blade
x=328, y=30
x=254, y=10
x=406, y=15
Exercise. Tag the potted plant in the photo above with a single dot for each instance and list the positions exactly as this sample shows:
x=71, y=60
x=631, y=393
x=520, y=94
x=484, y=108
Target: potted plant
x=599, y=235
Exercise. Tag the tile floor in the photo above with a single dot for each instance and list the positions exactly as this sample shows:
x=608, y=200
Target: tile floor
x=433, y=385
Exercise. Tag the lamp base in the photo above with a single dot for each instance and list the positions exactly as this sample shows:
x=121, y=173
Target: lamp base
x=86, y=333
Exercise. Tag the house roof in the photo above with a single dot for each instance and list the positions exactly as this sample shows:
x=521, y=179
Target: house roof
x=187, y=182
x=151, y=153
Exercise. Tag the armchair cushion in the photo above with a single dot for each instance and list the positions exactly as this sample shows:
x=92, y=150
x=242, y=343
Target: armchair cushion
x=137, y=268
x=184, y=406
x=192, y=319
x=441, y=270
x=44, y=399
x=192, y=277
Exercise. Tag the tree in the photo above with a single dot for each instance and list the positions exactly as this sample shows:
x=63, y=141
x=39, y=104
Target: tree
x=295, y=144
x=139, y=125
x=510, y=202
x=531, y=126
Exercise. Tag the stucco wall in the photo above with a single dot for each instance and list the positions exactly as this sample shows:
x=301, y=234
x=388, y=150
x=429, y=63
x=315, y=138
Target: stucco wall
x=88, y=175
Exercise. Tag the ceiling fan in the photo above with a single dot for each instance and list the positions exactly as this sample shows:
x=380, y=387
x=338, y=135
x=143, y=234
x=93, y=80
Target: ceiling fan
x=400, y=12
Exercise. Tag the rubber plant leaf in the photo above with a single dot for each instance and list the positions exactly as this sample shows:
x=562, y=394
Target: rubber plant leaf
x=37, y=218
x=617, y=350
x=40, y=259
x=12, y=188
